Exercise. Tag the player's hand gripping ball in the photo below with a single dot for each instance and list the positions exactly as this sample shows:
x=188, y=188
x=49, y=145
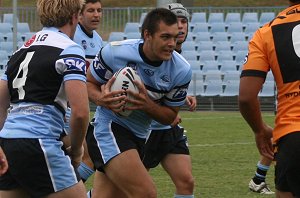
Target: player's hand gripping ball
x=124, y=81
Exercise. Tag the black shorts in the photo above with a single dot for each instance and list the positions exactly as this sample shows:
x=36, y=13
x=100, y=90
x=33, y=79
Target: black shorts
x=163, y=142
x=287, y=168
x=124, y=140
x=39, y=166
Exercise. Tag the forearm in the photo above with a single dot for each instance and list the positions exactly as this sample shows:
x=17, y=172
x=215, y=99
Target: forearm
x=78, y=124
x=250, y=110
x=162, y=114
x=94, y=93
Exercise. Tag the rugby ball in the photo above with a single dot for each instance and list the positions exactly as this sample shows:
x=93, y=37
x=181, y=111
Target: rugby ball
x=124, y=81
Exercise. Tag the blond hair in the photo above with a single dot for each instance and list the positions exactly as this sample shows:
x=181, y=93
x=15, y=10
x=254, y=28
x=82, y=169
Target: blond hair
x=57, y=13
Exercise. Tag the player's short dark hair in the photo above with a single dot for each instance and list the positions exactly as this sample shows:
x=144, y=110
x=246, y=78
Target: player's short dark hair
x=154, y=17
x=89, y=1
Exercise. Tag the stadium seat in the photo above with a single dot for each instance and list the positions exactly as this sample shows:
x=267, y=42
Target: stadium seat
x=228, y=66
x=269, y=78
x=217, y=27
x=214, y=17
x=195, y=65
x=190, y=36
x=196, y=88
x=205, y=45
x=200, y=27
x=133, y=35
x=207, y=55
x=131, y=27
x=203, y=36
x=266, y=17
x=225, y=55
x=250, y=17
x=209, y=65
x=213, y=88
x=142, y=17
x=268, y=90
x=222, y=46
x=116, y=36
x=219, y=36
x=237, y=36
x=233, y=17
x=231, y=88
x=190, y=55
x=197, y=75
x=8, y=18
x=232, y=75
x=235, y=27
x=3, y=55
x=5, y=28
x=250, y=28
x=189, y=45
x=23, y=28
x=197, y=17
x=240, y=46
x=213, y=76
x=9, y=37
x=7, y=46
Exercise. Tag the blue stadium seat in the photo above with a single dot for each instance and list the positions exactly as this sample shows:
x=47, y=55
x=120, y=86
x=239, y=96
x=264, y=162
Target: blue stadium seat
x=205, y=45
x=228, y=66
x=200, y=27
x=225, y=55
x=233, y=17
x=266, y=17
x=231, y=75
x=209, y=65
x=222, y=46
x=235, y=27
x=240, y=46
x=203, y=36
x=250, y=17
x=219, y=36
x=250, y=28
x=197, y=17
x=133, y=35
x=23, y=28
x=231, y=88
x=189, y=45
x=213, y=88
x=237, y=36
x=195, y=65
x=190, y=55
x=196, y=88
x=217, y=27
x=8, y=18
x=207, y=55
x=131, y=27
x=116, y=36
x=142, y=17
x=214, y=17
x=5, y=28
x=7, y=46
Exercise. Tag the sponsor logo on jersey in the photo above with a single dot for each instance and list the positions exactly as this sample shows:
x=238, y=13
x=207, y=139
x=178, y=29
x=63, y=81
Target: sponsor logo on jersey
x=75, y=64
x=165, y=78
x=92, y=45
x=180, y=93
x=30, y=41
x=132, y=65
x=84, y=45
x=149, y=72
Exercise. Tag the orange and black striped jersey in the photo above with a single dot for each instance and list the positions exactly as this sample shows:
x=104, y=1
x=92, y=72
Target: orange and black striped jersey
x=276, y=47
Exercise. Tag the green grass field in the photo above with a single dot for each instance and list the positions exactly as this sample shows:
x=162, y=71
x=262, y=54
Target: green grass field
x=224, y=156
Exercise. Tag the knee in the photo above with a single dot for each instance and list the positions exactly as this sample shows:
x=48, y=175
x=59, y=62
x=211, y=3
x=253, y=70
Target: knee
x=185, y=184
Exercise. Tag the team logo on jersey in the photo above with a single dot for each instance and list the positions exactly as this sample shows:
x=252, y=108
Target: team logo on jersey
x=75, y=64
x=246, y=59
x=30, y=41
x=132, y=65
x=180, y=93
x=92, y=45
x=149, y=72
x=84, y=44
x=165, y=78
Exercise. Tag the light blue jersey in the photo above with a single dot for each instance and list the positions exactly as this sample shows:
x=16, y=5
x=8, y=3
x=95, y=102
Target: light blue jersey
x=166, y=81
x=91, y=43
x=38, y=98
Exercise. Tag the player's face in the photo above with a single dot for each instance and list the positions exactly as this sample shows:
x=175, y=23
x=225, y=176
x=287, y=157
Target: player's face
x=161, y=44
x=91, y=15
x=183, y=29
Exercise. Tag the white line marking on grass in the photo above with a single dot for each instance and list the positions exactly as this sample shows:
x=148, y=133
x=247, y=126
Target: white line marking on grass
x=219, y=117
x=221, y=144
